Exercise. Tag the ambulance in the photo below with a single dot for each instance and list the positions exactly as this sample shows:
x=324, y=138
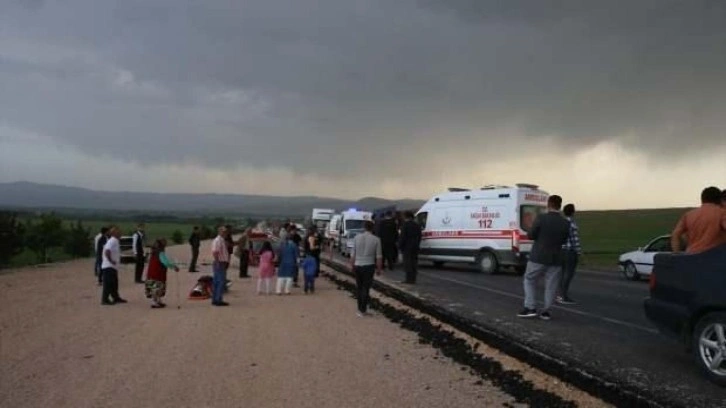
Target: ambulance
x=332, y=233
x=352, y=223
x=487, y=227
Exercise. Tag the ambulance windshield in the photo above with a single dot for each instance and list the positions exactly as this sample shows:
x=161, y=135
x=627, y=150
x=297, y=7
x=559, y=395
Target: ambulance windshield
x=354, y=224
x=527, y=214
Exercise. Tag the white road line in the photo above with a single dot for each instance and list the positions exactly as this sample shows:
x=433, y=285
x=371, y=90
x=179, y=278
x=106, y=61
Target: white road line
x=564, y=309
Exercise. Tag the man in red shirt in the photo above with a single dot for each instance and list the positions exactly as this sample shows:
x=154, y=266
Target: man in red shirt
x=703, y=227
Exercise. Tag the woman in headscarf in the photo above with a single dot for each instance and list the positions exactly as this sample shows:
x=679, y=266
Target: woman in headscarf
x=159, y=263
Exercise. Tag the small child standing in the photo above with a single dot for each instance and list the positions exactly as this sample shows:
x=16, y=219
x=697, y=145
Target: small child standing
x=310, y=268
x=267, y=267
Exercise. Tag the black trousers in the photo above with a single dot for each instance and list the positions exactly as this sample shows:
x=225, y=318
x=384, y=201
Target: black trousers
x=109, y=292
x=244, y=263
x=363, y=282
x=390, y=255
x=569, y=266
x=138, y=276
x=97, y=271
x=195, y=256
x=316, y=255
x=410, y=265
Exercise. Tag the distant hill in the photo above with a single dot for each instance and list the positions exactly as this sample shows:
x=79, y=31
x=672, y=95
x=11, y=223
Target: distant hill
x=48, y=196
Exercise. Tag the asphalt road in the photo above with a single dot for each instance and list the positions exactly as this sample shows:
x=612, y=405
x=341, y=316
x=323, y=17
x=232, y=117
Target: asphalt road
x=606, y=331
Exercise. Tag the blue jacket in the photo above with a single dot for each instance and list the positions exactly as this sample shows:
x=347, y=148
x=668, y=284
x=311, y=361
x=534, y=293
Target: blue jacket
x=288, y=260
x=310, y=266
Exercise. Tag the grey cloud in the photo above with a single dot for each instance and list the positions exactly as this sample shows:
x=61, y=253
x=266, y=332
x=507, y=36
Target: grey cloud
x=330, y=86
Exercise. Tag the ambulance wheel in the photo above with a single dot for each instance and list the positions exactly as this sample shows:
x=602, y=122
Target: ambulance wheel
x=487, y=263
x=438, y=264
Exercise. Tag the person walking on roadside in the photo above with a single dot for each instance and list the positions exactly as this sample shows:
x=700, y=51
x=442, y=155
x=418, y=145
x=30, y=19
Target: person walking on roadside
x=366, y=259
x=310, y=268
x=312, y=247
x=194, y=242
x=99, y=242
x=159, y=263
x=409, y=242
x=572, y=253
x=109, y=268
x=549, y=232
x=220, y=254
x=267, y=267
x=295, y=237
x=703, y=227
x=289, y=253
x=388, y=233
x=138, y=245
x=243, y=251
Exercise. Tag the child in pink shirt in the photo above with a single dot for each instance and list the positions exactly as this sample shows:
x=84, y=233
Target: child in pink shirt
x=267, y=267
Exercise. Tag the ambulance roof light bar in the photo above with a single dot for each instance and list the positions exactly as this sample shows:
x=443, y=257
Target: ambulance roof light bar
x=493, y=187
x=457, y=189
x=525, y=185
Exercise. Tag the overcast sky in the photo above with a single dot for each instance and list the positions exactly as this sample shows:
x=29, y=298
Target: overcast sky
x=612, y=104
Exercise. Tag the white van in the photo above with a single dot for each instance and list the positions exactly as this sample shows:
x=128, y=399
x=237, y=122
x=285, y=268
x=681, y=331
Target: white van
x=352, y=223
x=332, y=233
x=487, y=227
x=321, y=218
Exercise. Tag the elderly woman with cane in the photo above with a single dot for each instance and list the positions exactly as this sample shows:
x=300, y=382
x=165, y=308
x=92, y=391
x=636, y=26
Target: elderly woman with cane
x=155, y=285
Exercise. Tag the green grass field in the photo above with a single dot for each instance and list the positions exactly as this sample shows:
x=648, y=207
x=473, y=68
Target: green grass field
x=153, y=232
x=607, y=234
x=604, y=234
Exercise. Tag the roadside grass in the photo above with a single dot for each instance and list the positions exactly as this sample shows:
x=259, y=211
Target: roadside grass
x=607, y=234
x=153, y=231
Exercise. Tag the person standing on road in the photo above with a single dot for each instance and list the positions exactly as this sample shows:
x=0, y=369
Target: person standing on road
x=312, y=247
x=366, y=259
x=409, y=242
x=99, y=242
x=243, y=251
x=573, y=250
x=220, y=254
x=289, y=253
x=109, y=268
x=703, y=227
x=267, y=267
x=388, y=233
x=295, y=237
x=159, y=263
x=310, y=268
x=549, y=232
x=138, y=245
x=194, y=241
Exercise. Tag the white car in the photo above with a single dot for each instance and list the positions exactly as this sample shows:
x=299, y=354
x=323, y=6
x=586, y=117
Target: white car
x=639, y=263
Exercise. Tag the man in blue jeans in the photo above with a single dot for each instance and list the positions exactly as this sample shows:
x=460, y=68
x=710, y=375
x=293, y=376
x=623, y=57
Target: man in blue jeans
x=219, y=267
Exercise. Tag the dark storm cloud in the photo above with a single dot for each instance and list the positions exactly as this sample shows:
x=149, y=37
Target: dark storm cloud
x=321, y=86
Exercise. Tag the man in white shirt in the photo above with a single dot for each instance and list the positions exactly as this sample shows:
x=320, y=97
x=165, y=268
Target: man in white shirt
x=219, y=267
x=365, y=260
x=109, y=268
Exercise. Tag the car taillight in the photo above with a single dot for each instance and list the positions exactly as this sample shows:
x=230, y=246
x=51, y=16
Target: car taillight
x=651, y=280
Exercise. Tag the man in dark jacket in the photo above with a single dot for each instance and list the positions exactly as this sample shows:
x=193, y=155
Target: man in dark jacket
x=101, y=240
x=194, y=241
x=138, y=241
x=409, y=243
x=549, y=232
x=388, y=233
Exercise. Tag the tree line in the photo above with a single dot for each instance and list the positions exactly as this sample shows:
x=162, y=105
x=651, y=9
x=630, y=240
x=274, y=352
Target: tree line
x=48, y=231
